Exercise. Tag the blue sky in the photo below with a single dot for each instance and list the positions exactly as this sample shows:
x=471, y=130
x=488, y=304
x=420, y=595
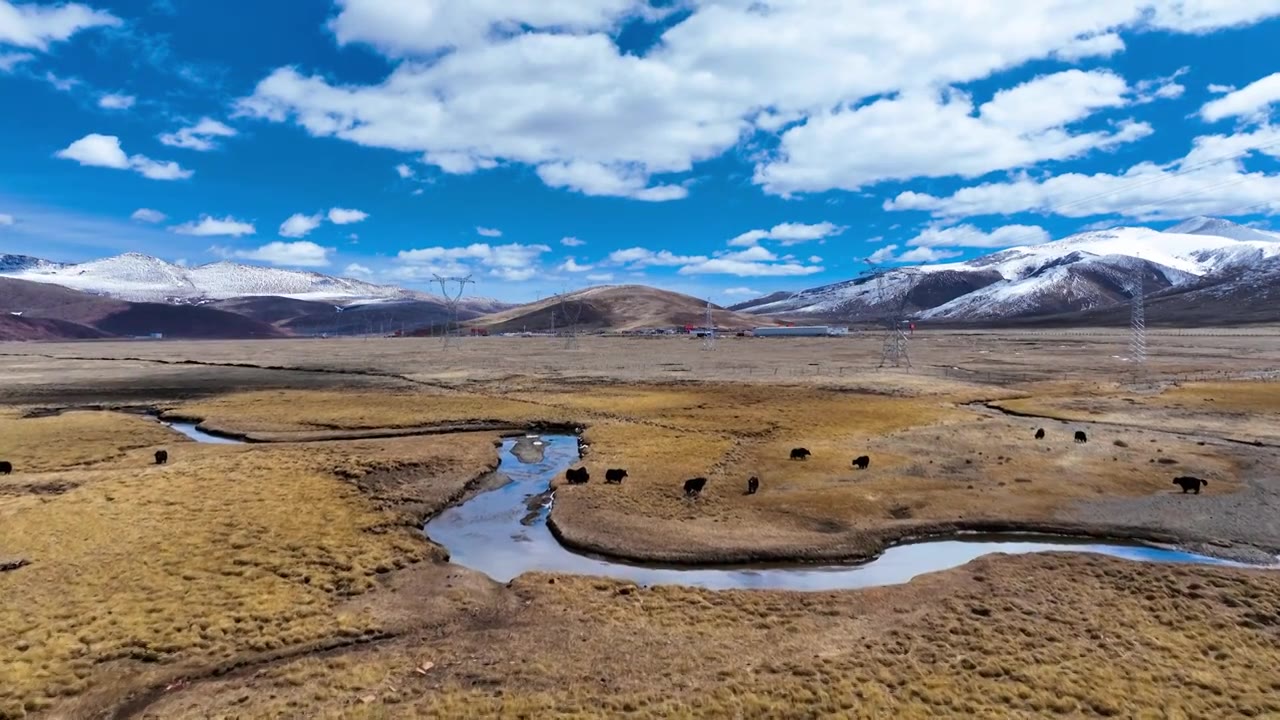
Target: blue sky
x=719, y=147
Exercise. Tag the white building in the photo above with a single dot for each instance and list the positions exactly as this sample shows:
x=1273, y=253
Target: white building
x=801, y=331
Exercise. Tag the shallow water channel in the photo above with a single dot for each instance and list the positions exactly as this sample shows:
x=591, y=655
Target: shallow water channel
x=499, y=534
x=191, y=431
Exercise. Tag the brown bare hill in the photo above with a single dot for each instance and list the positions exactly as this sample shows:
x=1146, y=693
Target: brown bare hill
x=13, y=327
x=53, y=302
x=617, y=308
x=78, y=315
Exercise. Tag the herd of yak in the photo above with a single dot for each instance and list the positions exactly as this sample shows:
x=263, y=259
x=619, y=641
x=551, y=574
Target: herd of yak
x=694, y=486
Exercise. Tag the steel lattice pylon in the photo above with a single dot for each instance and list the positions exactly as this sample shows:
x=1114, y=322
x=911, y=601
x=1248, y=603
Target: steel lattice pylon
x=571, y=313
x=893, y=351
x=451, y=300
x=1138, y=320
x=709, y=340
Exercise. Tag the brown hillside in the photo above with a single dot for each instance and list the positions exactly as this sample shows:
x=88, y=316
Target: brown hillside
x=17, y=328
x=71, y=314
x=53, y=302
x=617, y=308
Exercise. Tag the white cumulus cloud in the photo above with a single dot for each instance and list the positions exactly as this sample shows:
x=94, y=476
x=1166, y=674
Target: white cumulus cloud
x=404, y=171
x=95, y=150
x=755, y=261
x=638, y=257
x=742, y=292
x=208, y=226
x=513, y=262
x=788, y=234
x=484, y=83
x=303, y=253
x=571, y=265
x=116, y=101
x=600, y=277
x=147, y=215
x=201, y=137
x=1210, y=180
x=300, y=225
x=940, y=134
x=9, y=61
x=1253, y=101
x=358, y=270
x=488, y=232
x=927, y=255
x=572, y=242
x=968, y=236
x=344, y=216
x=35, y=26
x=7, y=219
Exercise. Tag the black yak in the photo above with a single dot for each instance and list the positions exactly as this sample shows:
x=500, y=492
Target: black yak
x=579, y=476
x=1186, y=482
x=162, y=457
x=800, y=454
x=862, y=462
x=753, y=485
x=693, y=488
x=614, y=476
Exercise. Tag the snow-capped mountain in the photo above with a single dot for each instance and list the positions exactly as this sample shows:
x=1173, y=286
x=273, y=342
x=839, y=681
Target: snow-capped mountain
x=1081, y=272
x=142, y=278
x=10, y=264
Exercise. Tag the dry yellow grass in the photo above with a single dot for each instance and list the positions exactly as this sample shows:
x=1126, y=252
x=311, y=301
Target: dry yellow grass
x=75, y=438
x=932, y=461
x=1032, y=636
x=226, y=550
x=292, y=411
x=1239, y=410
x=233, y=550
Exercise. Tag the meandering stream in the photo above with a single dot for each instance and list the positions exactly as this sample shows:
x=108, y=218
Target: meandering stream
x=502, y=532
x=496, y=533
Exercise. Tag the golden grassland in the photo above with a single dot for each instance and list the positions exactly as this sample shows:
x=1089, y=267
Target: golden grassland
x=933, y=461
x=1248, y=411
x=224, y=551
x=142, y=572
x=74, y=438
x=1031, y=636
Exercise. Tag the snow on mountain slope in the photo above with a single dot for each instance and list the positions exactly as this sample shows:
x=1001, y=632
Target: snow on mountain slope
x=1222, y=228
x=23, y=263
x=141, y=278
x=1083, y=271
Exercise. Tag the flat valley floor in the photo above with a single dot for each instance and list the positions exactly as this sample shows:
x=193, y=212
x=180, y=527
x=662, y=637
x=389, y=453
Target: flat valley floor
x=289, y=577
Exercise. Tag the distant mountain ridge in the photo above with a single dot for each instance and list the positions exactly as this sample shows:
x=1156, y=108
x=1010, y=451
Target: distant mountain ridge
x=1082, y=272
x=142, y=278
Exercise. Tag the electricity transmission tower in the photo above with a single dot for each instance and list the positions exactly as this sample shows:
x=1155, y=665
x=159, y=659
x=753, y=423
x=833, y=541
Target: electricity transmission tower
x=571, y=312
x=1138, y=319
x=893, y=350
x=451, y=290
x=709, y=340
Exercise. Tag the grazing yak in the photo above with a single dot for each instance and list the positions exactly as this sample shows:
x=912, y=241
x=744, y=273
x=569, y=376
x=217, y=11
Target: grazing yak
x=800, y=454
x=1081, y=437
x=862, y=462
x=693, y=488
x=578, y=476
x=1186, y=482
x=614, y=476
x=6, y=467
x=1040, y=434
x=753, y=485
x=162, y=457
